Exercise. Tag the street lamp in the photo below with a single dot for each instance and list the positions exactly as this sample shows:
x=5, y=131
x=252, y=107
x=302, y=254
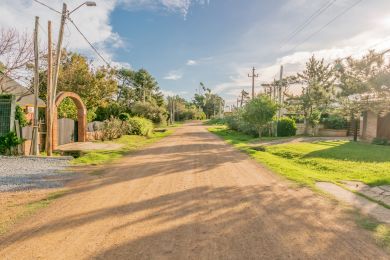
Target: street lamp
x=87, y=3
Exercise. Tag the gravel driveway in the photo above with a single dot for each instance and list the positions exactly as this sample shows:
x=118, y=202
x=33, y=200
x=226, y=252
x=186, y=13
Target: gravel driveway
x=21, y=173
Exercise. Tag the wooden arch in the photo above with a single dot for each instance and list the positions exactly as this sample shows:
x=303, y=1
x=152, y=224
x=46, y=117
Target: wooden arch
x=81, y=117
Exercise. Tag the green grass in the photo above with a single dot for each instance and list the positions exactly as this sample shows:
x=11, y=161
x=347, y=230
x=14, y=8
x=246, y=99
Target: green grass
x=380, y=231
x=331, y=161
x=130, y=143
x=30, y=209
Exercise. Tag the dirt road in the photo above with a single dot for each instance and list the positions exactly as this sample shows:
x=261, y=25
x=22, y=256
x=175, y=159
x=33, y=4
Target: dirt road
x=190, y=196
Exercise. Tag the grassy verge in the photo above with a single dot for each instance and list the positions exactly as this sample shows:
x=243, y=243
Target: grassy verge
x=18, y=208
x=380, y=231
x=130, y=143
x=331, y=161
x=306, y=163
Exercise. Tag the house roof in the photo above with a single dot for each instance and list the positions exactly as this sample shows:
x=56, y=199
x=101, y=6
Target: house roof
x=24, y=96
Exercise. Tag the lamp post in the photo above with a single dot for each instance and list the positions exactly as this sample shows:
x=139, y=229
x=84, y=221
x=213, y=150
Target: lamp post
x=64, y=15
x=87, y=3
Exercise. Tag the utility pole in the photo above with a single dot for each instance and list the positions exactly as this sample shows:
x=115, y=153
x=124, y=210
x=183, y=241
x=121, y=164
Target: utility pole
x=279, y=98
x=49, y=115
x=280, y=91
x=35, y=147
x=58, y=56
x=253, y=76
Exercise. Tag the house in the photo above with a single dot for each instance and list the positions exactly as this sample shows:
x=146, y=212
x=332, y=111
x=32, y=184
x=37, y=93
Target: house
x=375, y=125
x=24, y=96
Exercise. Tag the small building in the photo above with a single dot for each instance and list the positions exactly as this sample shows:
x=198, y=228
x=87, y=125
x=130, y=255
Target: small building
x=375, y=125
x=24, y=96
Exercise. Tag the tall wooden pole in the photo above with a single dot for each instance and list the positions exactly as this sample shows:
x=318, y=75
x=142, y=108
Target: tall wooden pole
x=49, y=115
x=57, y=64
x=35, y=147
x=253, y=76
x=280, y=91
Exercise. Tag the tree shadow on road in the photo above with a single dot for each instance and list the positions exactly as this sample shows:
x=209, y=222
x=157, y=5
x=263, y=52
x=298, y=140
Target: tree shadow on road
x=217, y=223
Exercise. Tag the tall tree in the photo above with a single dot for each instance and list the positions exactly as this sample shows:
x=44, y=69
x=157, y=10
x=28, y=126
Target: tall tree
x=16, y=53
x=259, y=112
x=96, y=87
x=318, y=80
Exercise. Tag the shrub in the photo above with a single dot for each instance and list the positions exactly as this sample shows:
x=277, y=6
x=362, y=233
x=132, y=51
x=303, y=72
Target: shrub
x=114, y=128
x=20, y=116
x=200, y=116
x=150, y=111
x=111, y=110
x=258, y=112
x=335, y=122
x=124, y=117
x=140, y=126
x=380, y=141
x=287, y=127
x=8, y=142
x=216, y=121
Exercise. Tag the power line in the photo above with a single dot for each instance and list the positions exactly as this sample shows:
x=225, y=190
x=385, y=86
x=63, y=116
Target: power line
x=51, y=8
x=77, y=28
x=309, y=20
x=90, y=44
x=327, y=24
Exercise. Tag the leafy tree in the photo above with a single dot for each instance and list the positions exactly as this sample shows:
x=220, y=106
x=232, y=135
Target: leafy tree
x=150, y=111
x=259, y=112
x=318, y=93
x=210, y=103
x=364, y=85
x=21, y=116
x=96, y=87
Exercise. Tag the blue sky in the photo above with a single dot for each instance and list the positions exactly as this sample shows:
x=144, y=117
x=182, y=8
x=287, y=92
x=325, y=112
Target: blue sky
x=182, y=51
x=184, y=42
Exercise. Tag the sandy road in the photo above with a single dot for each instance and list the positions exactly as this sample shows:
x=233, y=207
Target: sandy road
x=190, y=196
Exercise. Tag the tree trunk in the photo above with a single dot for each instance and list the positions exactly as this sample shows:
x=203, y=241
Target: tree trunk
x=306, y=130
x=355, y=130
x=260, y=131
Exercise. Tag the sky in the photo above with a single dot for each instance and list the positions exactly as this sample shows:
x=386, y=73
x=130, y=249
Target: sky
x=217, y=42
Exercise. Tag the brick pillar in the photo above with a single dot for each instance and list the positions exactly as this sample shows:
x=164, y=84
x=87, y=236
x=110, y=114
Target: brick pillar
x=82, y=124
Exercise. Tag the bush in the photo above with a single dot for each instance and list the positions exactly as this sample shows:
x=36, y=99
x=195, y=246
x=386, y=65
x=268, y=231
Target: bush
x=8, y=142
x=140, y=126
x=124, y=117
x=111, y=110
x=287, y=127
x=20, y=116
x=335, y=122
x=150, y=111
x=380, y=141
x=236, y=122
x=200, y=116
x=216, y=121
x=114, y=128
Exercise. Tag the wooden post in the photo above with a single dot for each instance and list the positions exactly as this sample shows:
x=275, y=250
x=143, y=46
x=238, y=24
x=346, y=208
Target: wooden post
x=49, y=102
x=35, y=148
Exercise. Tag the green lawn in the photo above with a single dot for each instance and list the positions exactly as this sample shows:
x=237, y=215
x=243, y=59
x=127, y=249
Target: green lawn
x=130, y=143
x=307, y=163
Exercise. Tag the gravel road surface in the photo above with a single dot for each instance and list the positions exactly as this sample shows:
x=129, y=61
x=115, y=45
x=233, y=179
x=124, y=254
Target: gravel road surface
x=21, y=173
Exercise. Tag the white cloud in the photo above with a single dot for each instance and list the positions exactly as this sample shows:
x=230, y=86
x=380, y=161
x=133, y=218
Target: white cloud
x=167, y=93
x=192, y=62
x=173, y=75
x=94, y=22
x=180, y=6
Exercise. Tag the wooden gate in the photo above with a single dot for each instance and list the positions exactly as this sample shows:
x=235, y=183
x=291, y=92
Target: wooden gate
x=67, y=132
